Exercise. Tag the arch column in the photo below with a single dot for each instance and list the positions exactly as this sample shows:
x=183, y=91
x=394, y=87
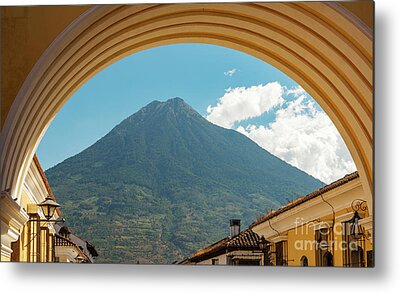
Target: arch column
x=12, y=220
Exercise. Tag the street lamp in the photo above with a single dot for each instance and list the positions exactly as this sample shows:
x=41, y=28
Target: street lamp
x=356, y=230
x=48, y=207
x=79, y=259
x=263, y=244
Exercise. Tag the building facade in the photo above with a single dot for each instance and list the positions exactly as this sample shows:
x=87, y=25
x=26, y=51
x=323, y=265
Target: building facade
x=331, y=226
x=71, y=248
x=24, y=237
x=26, y=233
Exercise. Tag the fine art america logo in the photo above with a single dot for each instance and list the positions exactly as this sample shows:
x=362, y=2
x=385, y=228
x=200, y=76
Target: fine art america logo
x=321, y=235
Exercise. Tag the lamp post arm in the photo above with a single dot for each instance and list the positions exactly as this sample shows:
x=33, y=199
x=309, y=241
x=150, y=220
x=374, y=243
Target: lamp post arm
x=47, y=221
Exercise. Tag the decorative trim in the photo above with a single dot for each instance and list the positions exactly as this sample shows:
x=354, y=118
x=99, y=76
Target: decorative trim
x=5, y=253
x=12, y=218
x=278, y=238
x=367, y=223
x=323, y=225
x=311, y=210
x=345, y=217
x=11, y=211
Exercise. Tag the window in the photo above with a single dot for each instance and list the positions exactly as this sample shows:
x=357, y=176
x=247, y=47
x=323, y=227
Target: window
x=327, y=260
x=215, y=261
x=281, y=253
x=248, y=262
x=323, y=256
x=357, y=257
x=353, y=252
x=304, y=261
x=370, y=258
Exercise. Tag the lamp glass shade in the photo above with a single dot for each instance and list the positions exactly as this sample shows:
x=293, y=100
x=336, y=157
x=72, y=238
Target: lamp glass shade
x=48, y=207
x=79, y=259
x=263, y=243
x=356, y=230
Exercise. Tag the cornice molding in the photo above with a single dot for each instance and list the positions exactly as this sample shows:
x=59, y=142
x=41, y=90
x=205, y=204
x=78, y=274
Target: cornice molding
x=279, y=238
x=13, y=219
x=323, y=225
x=310, y=212
x=10, y=211
x=345, y=217
x=5, y=252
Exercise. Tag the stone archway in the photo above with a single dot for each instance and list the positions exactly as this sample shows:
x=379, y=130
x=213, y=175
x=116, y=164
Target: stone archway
x=319, y=45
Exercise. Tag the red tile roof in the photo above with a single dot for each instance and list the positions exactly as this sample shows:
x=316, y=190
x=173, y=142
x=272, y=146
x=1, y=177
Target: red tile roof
x=246, y=240
x=44, y=178
x=314, y=194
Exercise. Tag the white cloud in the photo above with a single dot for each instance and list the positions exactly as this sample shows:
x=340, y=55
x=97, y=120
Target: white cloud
x=296, y=91
x=305, y=137
x=242, y=103
x=230, y=72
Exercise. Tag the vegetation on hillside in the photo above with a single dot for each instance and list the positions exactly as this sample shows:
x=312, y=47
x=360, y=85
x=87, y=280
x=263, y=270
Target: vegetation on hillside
x=165, y=182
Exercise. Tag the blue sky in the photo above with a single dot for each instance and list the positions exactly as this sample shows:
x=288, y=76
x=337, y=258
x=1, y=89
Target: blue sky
x=203, y=75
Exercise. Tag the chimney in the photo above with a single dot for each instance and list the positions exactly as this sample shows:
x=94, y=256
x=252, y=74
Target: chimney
x=234, y=227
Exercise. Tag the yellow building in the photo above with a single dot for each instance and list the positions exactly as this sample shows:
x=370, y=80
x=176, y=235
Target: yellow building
x=27, y=235
x=70, y=248
x=331, y=226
